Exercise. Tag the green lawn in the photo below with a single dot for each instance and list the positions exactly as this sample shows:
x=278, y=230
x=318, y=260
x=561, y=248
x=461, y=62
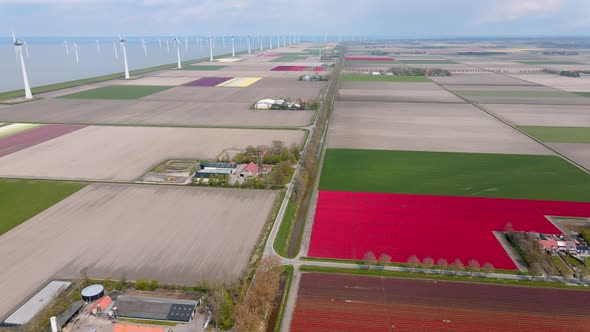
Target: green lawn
x=454, y=174
x=383, y=78
x=508, y=93
x=204, y=67
x=427, y=62
x=281, y=244
x=548, y=62
x=559, y=134
x=22, y=199
x=121, y=92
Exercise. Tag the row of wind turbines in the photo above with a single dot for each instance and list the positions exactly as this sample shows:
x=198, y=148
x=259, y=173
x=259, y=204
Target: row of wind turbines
x=178, y=44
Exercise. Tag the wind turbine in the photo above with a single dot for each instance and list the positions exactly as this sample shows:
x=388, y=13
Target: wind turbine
x=223, y=41
x=143, y=45
x=177, y=43
x=260, y=41
x=67, y=49
x=278, y=41
x=122, y=41
x=233, y=46
x=210, y=50
x=116, y=53
x=160, y=42
x=97, y=47
x=186, y=45
x=18, y=49
x=270, y=41
x=76, y=52
x=167, y=46
x=248, y=41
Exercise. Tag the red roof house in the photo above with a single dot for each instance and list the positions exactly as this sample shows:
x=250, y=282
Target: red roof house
x=250, y=170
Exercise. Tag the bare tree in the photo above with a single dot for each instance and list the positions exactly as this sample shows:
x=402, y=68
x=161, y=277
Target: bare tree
x=535, y=269
x=458, y=266
x=370, y=259
x=384, y=259
x=473, y=266
x=428, y=262
x=442, y=264
x=487, y=268
x=414, y=262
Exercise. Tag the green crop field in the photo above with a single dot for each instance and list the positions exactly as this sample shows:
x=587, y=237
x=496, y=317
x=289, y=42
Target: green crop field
x=583, y=94
x=508, y=93
x=427, y=62
x=291, y=57
x=548, y=62
x=20, y=200
x=204, y=67
x=383, y=78
x=454, y=174
x=121, y=92
x=559, y=134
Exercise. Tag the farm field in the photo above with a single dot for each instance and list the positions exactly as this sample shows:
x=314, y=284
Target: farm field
x=382, y=78
x=328, y=302
x=140, y=112
x=23, y=199
x=348, y=225
x=559, y=134
x=508, y=95
x=118, y=92
x=203, y=67
x=395, y=92
x=574, y=84
x=579, y=152
x=120, y=153
x=424, y=127
x=172, y=234
x=224, y=94
x=426, y=62
x=455, y=174
x=30, y=137
x=479, y=79
x=542, y=115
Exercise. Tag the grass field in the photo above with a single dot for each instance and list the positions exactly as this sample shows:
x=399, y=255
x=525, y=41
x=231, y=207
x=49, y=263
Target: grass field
x=508, y=93
x=454, y=174
x=559, y=134
x=120, y=92
x=583, y=94
x=383, y=78
x=205, y=67
x=291, y=57
x=22, y=199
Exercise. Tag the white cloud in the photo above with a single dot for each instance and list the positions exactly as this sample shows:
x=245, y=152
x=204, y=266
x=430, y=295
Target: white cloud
x=510, y=10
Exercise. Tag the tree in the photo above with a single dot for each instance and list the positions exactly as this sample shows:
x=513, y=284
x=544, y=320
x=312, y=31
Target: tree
x=442, y=264
x=487, y=268
x=458, y=266
x=414, y=262
x=473, y=266
x=384, y=259
x=222, y=307
x=582, y=274
x=370, y=259
x=535, y=269
x=428, y=262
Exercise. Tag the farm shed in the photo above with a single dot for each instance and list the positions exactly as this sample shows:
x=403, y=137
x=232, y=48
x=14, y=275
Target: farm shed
x=264, y=104
x=37, y=303
x=156, y=308
x=66, y=316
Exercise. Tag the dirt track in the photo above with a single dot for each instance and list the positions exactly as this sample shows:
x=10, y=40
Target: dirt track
x=174, y=235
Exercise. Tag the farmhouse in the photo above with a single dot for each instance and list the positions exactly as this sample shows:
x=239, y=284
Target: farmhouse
x=249, y=170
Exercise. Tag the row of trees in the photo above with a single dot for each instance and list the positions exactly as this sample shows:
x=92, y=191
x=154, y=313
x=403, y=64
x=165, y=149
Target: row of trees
x=264, y=154
x=428, y=263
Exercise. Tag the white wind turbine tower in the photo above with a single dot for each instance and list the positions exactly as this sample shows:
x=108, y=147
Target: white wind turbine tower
x=177, y=44
x=144, y=46
x=76, y=52
x=278, y=41
x=116, y=53
x=185, y=45
x=18, y=49
x=270, y=41
x=160, y=43
x=210, y=49
x=248, y=41
x=233, y=46
x=67, y=49
x=122, y=41
x=167, y=46
x=97, y=47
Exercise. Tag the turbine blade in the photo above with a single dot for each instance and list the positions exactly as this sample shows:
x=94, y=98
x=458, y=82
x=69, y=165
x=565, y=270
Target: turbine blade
x=13, y=37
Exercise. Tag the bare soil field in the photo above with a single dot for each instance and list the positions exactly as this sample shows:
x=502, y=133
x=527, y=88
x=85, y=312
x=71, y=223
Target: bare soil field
x=542, y=115
x=479, y=79
x=574, y=84
x=288, y=83
x=222, y=94
x=223, y=73
x=137, y=112
x=424, y=127
x=171, y=234
x=330, y=302
x=152, y=80
x=578, y=152
x=402, y=92
x=125, y=153
x=530, y=100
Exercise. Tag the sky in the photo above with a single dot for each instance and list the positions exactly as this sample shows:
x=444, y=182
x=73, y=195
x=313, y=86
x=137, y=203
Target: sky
x=395, y=18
